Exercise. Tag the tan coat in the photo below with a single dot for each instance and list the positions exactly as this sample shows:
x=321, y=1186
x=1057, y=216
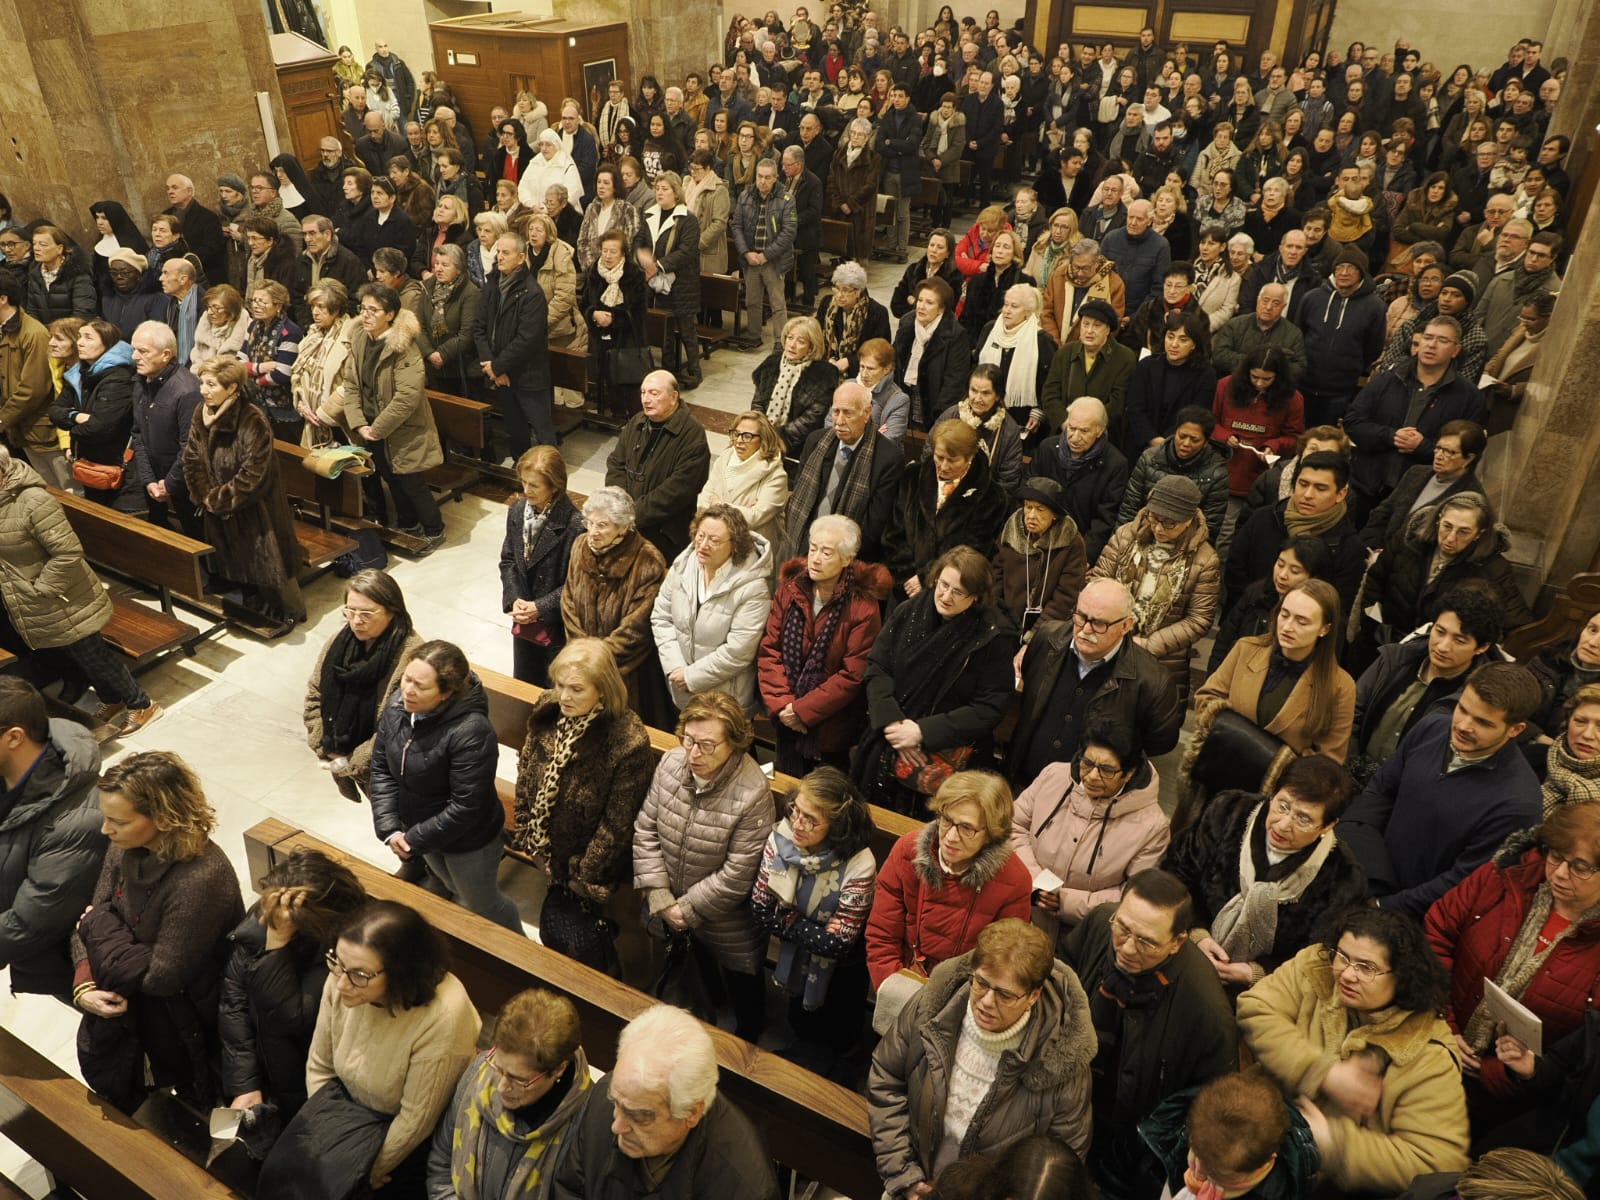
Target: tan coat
x=361, y=756
x=1295, y=1026
x=1237, y=684
x=51, y=596
x=397, y=408
x=711, y=208
x=558, y=279
x=1194, y=601
x=317, y=379
x=25, y=389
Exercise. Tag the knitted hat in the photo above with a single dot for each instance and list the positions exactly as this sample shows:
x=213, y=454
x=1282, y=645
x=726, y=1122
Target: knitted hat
x=1099, y=310
x=232, y=181
x=129, y=258
x=1175, y=498
x=1465, y=282
x=1356, y=258
x=1044, y=490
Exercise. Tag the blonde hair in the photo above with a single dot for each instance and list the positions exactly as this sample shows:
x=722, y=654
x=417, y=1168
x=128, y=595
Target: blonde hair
x=593, y=659
x=813, y=332
x=161, y=786
x=771, y=443
x=458, y=210
x=987, y=790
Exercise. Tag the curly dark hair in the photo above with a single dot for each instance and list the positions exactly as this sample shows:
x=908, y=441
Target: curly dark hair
x=743, y=542
x=1420, y=981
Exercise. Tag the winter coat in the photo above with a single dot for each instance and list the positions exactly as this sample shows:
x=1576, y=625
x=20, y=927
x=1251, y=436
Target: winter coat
x=782, y=228
x=1206, y=857
x=1237, y=685
x=1042, y=1087
x=714, y=639
x=1297, y=1029
x=986, y=292
x=51, y=596
x=70, y=294
x=394, y=400
x=675, y=241
x=1381, y=408
x=874, y=324
x=51, y=849
x=610, y=595
x=558, y=279
x=1092, y=486
x=454, y=343
x=944, y=368
x=539, y=573
x=904, y=298
x=1158, y=389
x=664, y=484
x=232, y=473
x=1141, y=260
x=757, y=487
x=1195, y=573
x=1060, y=303
x=1343, y=335
x=1207, y=470
x=25, y=383
x=1387, y=523
x=1399, y=582
x=955, y=135
x=701, y=850
x=267, y=1014
x=163, y=410
x=1255, y=548
x=857, y=186
x=1001, y=447
x=104, y=390
x=1093, y=845
x=922, y=916
x=920, y=531
x=433, y=777
x=1045, y=575
x=1471, y=928
x=1274, y=430
x=1243, y=334
x=360, y=757
x=711, y=210
x=511, y=331
x=602, y=789
x=809, y=400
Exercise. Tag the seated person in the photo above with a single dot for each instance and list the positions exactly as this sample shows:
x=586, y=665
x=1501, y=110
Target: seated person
x=502, y=1133
x=1252, y=611
x=1350, y=1028
x=1572, y=765
x=1187, y=450
x=999, y=437
x=1041, y=561
x=1037, y=1168
x=1456, y=452
x=1561, y=671
x=951, y=498
x=1163, y=1020
x=1092, y=472
x=658, y=1128
x=1451, y=792
x=794, y=384
x=1317, y=506
x=1266, y=872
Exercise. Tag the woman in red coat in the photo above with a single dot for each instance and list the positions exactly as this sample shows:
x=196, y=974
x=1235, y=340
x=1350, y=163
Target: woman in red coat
x=812, y=665
x=1529, y=919
x=1258, y=412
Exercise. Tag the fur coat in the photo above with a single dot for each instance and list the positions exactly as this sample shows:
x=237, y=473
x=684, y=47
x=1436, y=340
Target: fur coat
x=232, y=473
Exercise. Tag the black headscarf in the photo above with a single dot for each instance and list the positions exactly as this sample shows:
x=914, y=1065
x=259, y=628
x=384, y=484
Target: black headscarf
x=297, y=176
x=122, y=226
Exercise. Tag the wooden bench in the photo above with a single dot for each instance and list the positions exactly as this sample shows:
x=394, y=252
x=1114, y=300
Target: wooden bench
x=807, y=1122
x=86, y=1143
x=836, y=237
x=1569, y=612
x=460, y=422
x=330, y=497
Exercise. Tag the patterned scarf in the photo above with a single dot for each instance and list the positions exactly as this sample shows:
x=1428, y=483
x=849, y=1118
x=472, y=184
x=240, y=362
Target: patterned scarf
x=852, y=498
x=484, y=1111
x=842, y=333
x=533, y=826
x=1569, y=779
x=533, y=522
x=1522, y=963
x=612, y=297
x=783, y=390
x=1155, y=574
x=1316, y=526
x=1247, y=925
x=806, y=669
x=814, y=883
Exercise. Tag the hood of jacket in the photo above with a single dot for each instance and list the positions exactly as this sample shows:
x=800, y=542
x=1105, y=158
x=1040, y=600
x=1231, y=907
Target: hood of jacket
x=1015, y=535
x=1338, y=306
x=1422, y=535
x=20, y=479
x=120, y=355
x=735, y=573
x=869, y=579
x=80, y=764
x=1143, y=791
x=984, y=867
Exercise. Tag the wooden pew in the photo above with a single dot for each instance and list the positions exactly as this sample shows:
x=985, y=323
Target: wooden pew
x=339, y=497
x=460, y=421
x=84, y=1142
x=836, y=237
x=807, y=1122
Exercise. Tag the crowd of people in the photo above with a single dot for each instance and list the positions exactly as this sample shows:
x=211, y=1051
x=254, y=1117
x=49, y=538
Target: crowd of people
x=1221, y=360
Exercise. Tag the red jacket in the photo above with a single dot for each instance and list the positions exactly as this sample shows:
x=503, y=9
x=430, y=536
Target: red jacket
x=1471, y=928
x=1276, y=432
x=921, y=913
x=972, y=252
x=837, y=708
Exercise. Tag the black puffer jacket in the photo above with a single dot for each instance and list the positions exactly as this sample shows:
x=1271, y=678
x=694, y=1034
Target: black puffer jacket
x=70, y=294
x=1399, y=579
x=1208, y=470
x=433, y=779
x=268, y=1014
x=809, y=399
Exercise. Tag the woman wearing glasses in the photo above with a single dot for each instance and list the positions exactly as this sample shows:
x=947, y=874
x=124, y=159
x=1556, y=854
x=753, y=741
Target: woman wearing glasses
x=356, y=674
x=697, y=847
x=749, y=475
x=1529, y=919
x=1092, y=823
x=1266, y=872
x=1349, y=1027
x=394, y=1032
x=996, y=1047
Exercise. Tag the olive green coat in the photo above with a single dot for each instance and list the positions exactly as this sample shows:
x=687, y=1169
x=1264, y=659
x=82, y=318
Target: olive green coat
x=50, y=594
x=395, y=401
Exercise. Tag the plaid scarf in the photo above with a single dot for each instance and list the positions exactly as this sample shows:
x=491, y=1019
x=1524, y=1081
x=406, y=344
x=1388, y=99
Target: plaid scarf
x=853, y=495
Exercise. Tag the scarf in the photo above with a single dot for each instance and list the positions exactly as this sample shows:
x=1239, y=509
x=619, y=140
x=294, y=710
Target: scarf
x=920, y=336
x=1300, y=526
x=813, y=882
x=353, y=674
x=210, y=416
x=483, y=1111
x=1247, y=925
x=934, y=645
x=1023, y=342
x=1155, y=573
x=612, y=297
x=991, y=423
x=533, y=523
x=1050, y=254
x=783, y=390
x=943, y=147
x=842, y=333
x=533, y=826
x=1522, y=963
x=852, y=497
x=1569, y=779
x=693, y=189
x=851, y=154
x=441, y=300
x=806, y=668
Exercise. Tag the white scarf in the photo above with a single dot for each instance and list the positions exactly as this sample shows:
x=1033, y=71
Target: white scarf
x=851, y=154
x=1248, y=924
x=920, y=334
x=1023, y=342
x=612, y=296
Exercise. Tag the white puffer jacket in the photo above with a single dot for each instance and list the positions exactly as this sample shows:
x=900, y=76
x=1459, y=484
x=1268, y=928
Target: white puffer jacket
x=715, y=641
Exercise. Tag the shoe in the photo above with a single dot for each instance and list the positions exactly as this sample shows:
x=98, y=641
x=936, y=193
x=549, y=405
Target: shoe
x=412, y=870
x=107, y=713
x=689, y=385
x=410, y=530
x=136, y=719
x=430, y=543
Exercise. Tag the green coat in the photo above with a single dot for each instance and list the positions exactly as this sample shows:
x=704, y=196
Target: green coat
x=50, y=594
x=25, y=385
x=395, y=401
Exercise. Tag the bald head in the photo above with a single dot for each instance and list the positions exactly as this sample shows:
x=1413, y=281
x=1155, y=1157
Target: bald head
x=852, y=410
x=1088, y=410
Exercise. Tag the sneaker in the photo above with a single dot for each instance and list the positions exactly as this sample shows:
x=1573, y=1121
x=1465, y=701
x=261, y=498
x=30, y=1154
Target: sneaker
x=136, y=719
x=430, y=543
x=108, y=713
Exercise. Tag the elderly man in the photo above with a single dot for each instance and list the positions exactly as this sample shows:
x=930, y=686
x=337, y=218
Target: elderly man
x=580, y=143
x=1092, y=472
x=1500, y=303
x=325, y=258
x=662, y=459
x=1092, y=364
x=378, y=144
x=1141, y=254
x=511, y=333
x=679, y=121
x=185, y=303
x=1289, y=266
x=846, y=470
x=394, y=70
x=1083, y=274
x=165, y=397
x=818, y=149
x=355, y=111
x=1266, y=326
x=764, y=230
x=1085, y=669
x=986, y=117
x=805, y=189
x=202, y=228
x=25, y=383
x=327, y=177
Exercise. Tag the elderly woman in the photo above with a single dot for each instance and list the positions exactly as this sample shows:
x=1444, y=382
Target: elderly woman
x=697, y=848
x=613, y=299
x=749, y=475
x=149, y=951
x=317, y=379
x=940, y=886
x=938, y=1090
x=794, y=384
x=231, y=471
x=550, y=261
x=932, y=352
x=986, y=290
x=95, y=408
x=999, y=437
x=490, y=227
x=271, y=255
x=395, y=1030
x=711, y=610
x=938, y=682
x=271, y=345
x=355, y=676
x=542, y=526
x=582, y=775
x=814, y=891
x=432, y=779
x=1350, y=1027
x=852, y=187
x=706, y=195
x=1164, y=558
x=850, y=318
x=1019, y=347
x=1083, y=828
x=515, y=1102
x=1562, y=671
x=54, y=602
x=612, y=583
x=668, y=246
x=891, y=407
x=951, y=498
x=1187, y=453
x=1572, y=766
x=1041, y=562
x=449, y=308
x=222, y=328
x=812, y=664
x=386, y=405
x=608, y=210
x=1219, y=203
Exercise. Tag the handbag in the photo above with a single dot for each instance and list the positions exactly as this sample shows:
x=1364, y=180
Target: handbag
x=576, y=927
x=1237, y=753
x=99, y=476
x=929, y=776
x=536, y=632
x=1108, y=111
x=682, y=981
x=326, y=1151
x=628, y=365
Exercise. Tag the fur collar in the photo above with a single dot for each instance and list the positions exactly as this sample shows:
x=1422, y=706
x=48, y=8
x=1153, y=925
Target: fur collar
x=984, y=868
x=1015, y=535
x=1422, y=534
x=869, y=579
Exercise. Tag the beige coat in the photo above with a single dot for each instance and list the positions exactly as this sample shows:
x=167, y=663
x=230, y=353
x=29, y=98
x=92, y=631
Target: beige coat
x=51, y=596
x=711, y=209
x=1237, y=684
x=397, y=408
x=757, y=487
x=558, y=279
x=1195, y=573
x=317, y=379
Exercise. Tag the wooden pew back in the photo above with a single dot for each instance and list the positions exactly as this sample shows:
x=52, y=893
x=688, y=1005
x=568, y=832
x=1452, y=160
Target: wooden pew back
x=339, y=497
x=1571, y=610
x=136, y=549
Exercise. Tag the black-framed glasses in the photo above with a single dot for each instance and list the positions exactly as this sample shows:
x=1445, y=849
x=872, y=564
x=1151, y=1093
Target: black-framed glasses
x=966, y=831
x=704, y=747
x=357, y=978
x=800, y=819
x=743, y=435
x=1578, y=867
x=981, y=987
x=1095, y=624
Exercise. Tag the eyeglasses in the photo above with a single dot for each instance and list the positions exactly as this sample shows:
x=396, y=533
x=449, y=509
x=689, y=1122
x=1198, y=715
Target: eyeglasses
x=1095, y=624
x=358, y=979
x=1446, y=452
x=1121, y=934
x=1436, y=340
x=965, y=831
x=1088, y=766
x=981, y=987
x=1164, y=523
x=1365, y=971
x=371, y=310
x=804, y=820
x=1577, y=867
x=513, y=1080
x=740, y=435
x=1300, y=820
x=953, y=591
x=360, y=614
x=703, y=747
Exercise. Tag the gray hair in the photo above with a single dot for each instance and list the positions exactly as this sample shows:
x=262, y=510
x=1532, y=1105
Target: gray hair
x=5, y=461
x=559, y=189
x=1025, y=294
x=451, y=253
x=1084, y=246
x=765, y=166
x=670, y=1051
x=793, y=154
x=330, y=293
x=1243, y=239
x=612, y=503
x=1473, y=502
x=846, y=531
x=674, y=93
x=1117, y=587
x=159, y=334
x=390, y=259
x=850, y=274
x=860, y=125
x=1091, y=407
x=495, y=221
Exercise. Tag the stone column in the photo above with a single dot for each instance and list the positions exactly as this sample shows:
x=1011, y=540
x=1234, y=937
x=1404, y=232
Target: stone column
x=674, y=37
